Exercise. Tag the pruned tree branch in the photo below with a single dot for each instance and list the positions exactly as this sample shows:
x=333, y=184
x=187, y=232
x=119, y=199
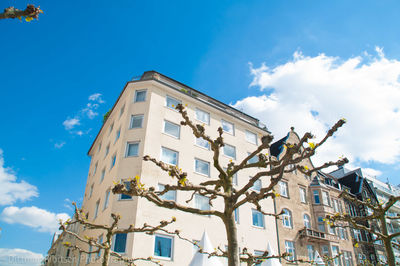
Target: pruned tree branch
x=31, y=12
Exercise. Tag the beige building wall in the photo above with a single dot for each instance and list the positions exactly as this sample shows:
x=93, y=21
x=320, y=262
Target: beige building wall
x=151, y=138
x=317, y=235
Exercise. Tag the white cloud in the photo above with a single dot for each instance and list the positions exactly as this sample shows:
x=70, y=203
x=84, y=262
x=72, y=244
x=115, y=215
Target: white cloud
x=17, y=256
x=70, y=123
x=96, y=97
x=312, y=93
x=59, y=145
x=40, y=219
x=10, y=189
x=371, y=172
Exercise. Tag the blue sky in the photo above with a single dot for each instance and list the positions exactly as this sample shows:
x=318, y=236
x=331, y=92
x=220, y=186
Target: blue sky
x=76, y=49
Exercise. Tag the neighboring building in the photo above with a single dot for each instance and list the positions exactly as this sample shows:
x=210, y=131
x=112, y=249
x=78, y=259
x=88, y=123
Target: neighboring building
x=305, y=201
x=369, y=249
x=143, y=121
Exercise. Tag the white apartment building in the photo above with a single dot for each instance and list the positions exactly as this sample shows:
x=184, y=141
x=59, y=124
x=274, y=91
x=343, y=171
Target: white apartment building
x=143, y=121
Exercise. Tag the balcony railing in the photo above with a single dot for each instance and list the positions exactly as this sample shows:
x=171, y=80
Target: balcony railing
x=306, y=232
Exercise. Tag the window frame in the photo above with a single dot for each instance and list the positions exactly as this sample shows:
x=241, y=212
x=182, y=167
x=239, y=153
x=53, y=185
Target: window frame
x=171, y=257
x=102, y=175
x=286, y=188
x=117, y=135
x=209, y=116
x=202, y=161
x=287, y=216
x=173, y=124
x=291, y=257
x=123, y=195
x=106, y=199
x=247, y=132
x=227, y=122
x=173, y=98
x=198, y=145
x=127, y=148
x=223, y=151
x=177, y=155
x=196, y=196
x=303, y=196
x=141, y=122
x=114, y=239
x=316, y=196
x=135, y=99
x=308, y=220
x=163, y=196
x=253, y=211
x=113, y=160
x=96, y=209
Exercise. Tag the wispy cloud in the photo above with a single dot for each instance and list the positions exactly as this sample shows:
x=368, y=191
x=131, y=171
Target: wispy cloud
x=11, y=190
x=87, y=112
x=312, y=93
x=59, y=145
x=34, y=217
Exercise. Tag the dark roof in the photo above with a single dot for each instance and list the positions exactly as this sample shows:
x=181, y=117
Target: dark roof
x=277, y=147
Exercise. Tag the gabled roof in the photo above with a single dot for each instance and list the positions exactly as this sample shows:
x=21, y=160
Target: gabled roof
x=277, y=147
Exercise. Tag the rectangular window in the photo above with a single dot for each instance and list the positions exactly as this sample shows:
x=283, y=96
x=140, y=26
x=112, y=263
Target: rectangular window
x=201, y=202
x=103, y=173
x=96, y=209
x=325, y=198
x=172, y=129
x=136, y=121
x=303, y=195
x=117, y=135
x=107, y=150
x=121, y=111
x=310, y=251
x=203, y=143
x=335, y=205
x=253, y=159
x=132, y=149
x=100, y=241
x=163, y=246
x=140, y=96
x=348, y=261
x=321, y=224
x=123, y=196
x=331, y=230
x=203, y=116
x=316, y=197
x=290, y=249
x=106, y=199
x=91, y=191
x=111, y=128
x=335, y=255
x=89, y=256
x=113, y=159
x=251, y=137
x=172, y=102
x=228, y=127
x=257, y=185
x=236, y=214
x=258, y=218
x=95, y=169
x=202, y=167
x=170, y=195
x=284, y=189
x=119, y=243
x=99, y=147
x=230, y=151
x=169, y=156
x=357, y=234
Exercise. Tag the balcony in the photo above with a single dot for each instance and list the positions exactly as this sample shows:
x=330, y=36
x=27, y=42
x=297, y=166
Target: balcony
x=313, y=234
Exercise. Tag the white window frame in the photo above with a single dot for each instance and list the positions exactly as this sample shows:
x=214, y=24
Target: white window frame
x=135, y=100
x=325, y=198
x=202, y=111
x=262, y=218
x=172, y=247
x=307, y=221
x=247, y=133
x=258, y=186
x=177, y=157
x=163, y=197
x=284, y=189
x=205, y=141
x=202, y=161
x=234, y=148
x=106, y=199
x=196, y=196
x=287, y=218
x=303, y=194
x=172, y=107
x=141, y=123
x=173, y=124
x=226, y=122
x=288, y=248
x=127, y=148
x=113, y=243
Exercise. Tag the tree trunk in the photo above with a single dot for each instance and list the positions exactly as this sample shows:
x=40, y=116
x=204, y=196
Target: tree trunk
x=387, y=242
x=107, y=251
x=233, y=246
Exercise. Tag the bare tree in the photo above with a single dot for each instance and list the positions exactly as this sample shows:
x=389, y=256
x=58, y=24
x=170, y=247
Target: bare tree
x=221, y=186
x=375, y=222
x=110, y=231
x=31, y=12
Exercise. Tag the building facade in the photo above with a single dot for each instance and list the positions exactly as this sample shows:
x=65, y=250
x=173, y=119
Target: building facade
x=304, y=202
x=143, y=121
